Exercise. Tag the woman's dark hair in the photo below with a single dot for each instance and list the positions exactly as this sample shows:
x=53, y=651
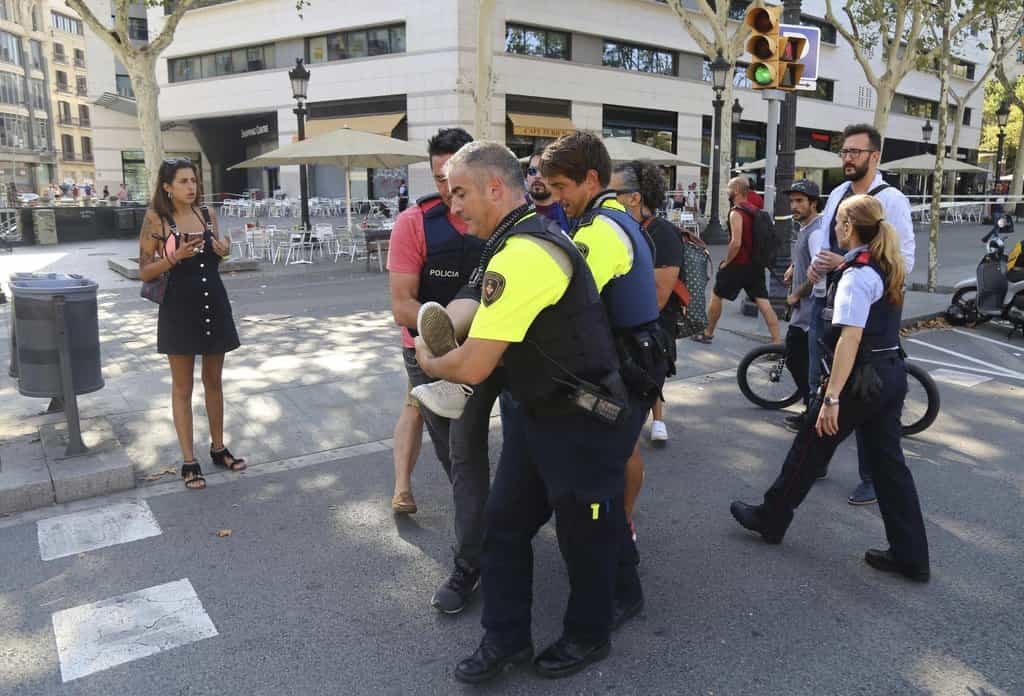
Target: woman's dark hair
x=644, y=177
x=448, y=141
x=169, y=169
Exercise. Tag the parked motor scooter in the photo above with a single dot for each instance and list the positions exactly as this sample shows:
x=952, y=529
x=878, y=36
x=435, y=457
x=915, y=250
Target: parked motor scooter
x=992, y=293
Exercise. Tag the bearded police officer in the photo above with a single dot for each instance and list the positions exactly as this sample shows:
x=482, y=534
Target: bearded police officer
x=564, y=449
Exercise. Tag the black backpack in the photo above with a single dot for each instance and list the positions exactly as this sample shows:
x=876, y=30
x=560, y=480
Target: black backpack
x=766, y=241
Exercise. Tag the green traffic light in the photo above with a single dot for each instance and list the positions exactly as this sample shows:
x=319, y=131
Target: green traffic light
x=763, y=75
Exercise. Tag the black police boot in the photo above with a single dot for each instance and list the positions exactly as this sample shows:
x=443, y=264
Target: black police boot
x=886, y=562
x=569, y=655
x=491, y=659
x=755, y=518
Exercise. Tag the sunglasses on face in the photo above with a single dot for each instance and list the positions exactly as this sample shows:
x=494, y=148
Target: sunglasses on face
x=177, y=161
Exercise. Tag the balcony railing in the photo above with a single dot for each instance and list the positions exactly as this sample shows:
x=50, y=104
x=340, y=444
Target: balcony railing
x=68, y=155
x=61, y=58
x=76, y=121
x=80, y=63
x=63, y=89
x=82, y=91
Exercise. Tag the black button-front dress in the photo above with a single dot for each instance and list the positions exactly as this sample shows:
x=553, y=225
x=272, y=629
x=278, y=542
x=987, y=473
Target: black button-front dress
x=195, y=315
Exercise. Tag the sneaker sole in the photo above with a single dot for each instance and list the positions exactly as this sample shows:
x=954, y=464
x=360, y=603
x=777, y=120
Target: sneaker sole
x=435, y=327
x=444, y=413
x=862, y=502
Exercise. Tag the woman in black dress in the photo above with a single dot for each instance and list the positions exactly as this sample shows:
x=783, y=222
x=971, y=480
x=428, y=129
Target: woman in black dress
x=180, y=238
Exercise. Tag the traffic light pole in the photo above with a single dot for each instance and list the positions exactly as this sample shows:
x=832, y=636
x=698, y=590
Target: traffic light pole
x=775, y=99
x=784, y=173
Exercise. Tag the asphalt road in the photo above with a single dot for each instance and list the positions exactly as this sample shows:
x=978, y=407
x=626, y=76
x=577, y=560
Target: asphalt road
x=319, y=590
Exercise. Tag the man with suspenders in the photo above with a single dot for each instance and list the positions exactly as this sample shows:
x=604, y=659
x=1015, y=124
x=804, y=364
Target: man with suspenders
x=861, y=153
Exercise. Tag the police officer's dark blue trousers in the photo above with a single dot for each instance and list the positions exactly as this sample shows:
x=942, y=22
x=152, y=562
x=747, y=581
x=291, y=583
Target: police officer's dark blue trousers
x=574, y=466
x=894, y=484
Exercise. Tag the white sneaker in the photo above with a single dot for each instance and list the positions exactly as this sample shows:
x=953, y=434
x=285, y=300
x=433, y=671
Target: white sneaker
x=446, y=399
x=659, y=433
x=436, y=328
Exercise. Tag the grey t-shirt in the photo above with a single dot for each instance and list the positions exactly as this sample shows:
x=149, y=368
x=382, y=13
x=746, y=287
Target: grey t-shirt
x=801, y=255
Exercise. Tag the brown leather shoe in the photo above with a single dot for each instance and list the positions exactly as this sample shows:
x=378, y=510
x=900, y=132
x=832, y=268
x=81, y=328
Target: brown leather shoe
x=404, y=504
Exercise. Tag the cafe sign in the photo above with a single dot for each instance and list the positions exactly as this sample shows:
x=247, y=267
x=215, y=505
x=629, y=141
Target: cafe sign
x=260, y=129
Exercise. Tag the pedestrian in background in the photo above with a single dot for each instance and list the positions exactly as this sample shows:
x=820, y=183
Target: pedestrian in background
x=181, y=239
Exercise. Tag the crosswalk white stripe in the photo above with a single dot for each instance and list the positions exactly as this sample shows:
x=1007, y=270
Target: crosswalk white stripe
x=960, y=366
x=94, y=637
x=89, y=530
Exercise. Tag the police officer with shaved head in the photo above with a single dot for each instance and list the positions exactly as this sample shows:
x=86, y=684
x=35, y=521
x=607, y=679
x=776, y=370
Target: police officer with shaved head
x=565, y=445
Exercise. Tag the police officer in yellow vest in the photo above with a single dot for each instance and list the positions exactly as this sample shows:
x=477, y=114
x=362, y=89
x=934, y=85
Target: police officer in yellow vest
x=564, y=446
x=620, y=255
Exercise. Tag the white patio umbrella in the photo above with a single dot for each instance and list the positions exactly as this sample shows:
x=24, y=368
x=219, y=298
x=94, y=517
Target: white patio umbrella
x=342, y=148
x=927, y=163
x=625, y=150
x=806, y=158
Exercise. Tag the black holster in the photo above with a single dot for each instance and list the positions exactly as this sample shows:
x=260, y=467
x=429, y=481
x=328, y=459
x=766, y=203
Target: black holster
x=644, y=358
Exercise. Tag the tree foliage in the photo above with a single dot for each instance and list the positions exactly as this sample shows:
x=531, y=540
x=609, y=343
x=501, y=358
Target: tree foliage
x=995, y=93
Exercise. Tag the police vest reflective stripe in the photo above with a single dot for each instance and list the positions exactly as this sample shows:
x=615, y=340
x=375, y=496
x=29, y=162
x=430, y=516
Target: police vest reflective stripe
x=631, y=299
x=882, y=329
x=571, y=336
x=451, y=257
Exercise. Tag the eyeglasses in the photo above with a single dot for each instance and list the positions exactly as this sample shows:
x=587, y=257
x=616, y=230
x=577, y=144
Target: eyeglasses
x=532, y=171
x=853, y=152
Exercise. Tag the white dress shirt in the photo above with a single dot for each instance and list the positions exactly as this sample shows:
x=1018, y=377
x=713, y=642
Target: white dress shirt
x=897, y=214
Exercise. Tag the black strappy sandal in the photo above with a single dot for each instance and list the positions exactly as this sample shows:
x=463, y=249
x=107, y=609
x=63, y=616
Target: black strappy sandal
x=193, y=476
x=226, y=460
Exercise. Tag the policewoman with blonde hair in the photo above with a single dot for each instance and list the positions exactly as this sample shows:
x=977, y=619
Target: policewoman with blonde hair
x=865, y=388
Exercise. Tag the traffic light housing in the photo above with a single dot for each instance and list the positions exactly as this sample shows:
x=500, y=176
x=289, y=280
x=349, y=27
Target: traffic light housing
x=775, y=60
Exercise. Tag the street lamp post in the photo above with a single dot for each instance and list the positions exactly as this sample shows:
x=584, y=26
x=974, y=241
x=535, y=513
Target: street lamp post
x=926, y=136
x=299, y=77
x=737, y=117
x=720, y=70
x=1002, y=118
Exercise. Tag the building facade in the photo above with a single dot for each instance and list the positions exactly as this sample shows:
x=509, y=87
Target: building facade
x=27, y=158
x=69, y=81
x=625, y=68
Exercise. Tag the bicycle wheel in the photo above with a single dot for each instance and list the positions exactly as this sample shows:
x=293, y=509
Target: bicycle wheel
x=764, y=378
x=921, y=406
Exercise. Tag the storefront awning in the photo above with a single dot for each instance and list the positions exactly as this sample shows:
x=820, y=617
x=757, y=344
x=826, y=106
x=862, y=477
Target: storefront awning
x=380, y=124
x=541, y=126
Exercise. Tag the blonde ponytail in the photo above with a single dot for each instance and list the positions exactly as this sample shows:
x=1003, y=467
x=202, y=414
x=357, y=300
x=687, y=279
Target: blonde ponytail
x=867, y=217
x=885, y=250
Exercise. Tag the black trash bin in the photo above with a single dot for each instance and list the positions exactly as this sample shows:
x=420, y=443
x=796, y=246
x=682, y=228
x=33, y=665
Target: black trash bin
x=39, y=299
x=55, y=339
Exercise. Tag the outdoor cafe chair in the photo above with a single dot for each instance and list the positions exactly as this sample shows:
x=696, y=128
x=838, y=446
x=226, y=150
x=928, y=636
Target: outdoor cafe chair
x=239, y=239
x=322, y=235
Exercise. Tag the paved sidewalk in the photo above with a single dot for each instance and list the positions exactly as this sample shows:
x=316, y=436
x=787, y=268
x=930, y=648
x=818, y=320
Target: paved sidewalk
x=320, y=368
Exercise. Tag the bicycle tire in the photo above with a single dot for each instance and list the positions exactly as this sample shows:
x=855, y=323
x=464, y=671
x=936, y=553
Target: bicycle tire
x=934, y=402
x=774, y=349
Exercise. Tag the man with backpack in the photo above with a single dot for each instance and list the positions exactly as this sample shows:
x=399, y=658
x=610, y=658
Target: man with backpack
x=751, y=249
x=861, y=153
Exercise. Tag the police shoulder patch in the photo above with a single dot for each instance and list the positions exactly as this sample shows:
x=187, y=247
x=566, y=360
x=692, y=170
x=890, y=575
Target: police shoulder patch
x=584, y=249
x=493, y=286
